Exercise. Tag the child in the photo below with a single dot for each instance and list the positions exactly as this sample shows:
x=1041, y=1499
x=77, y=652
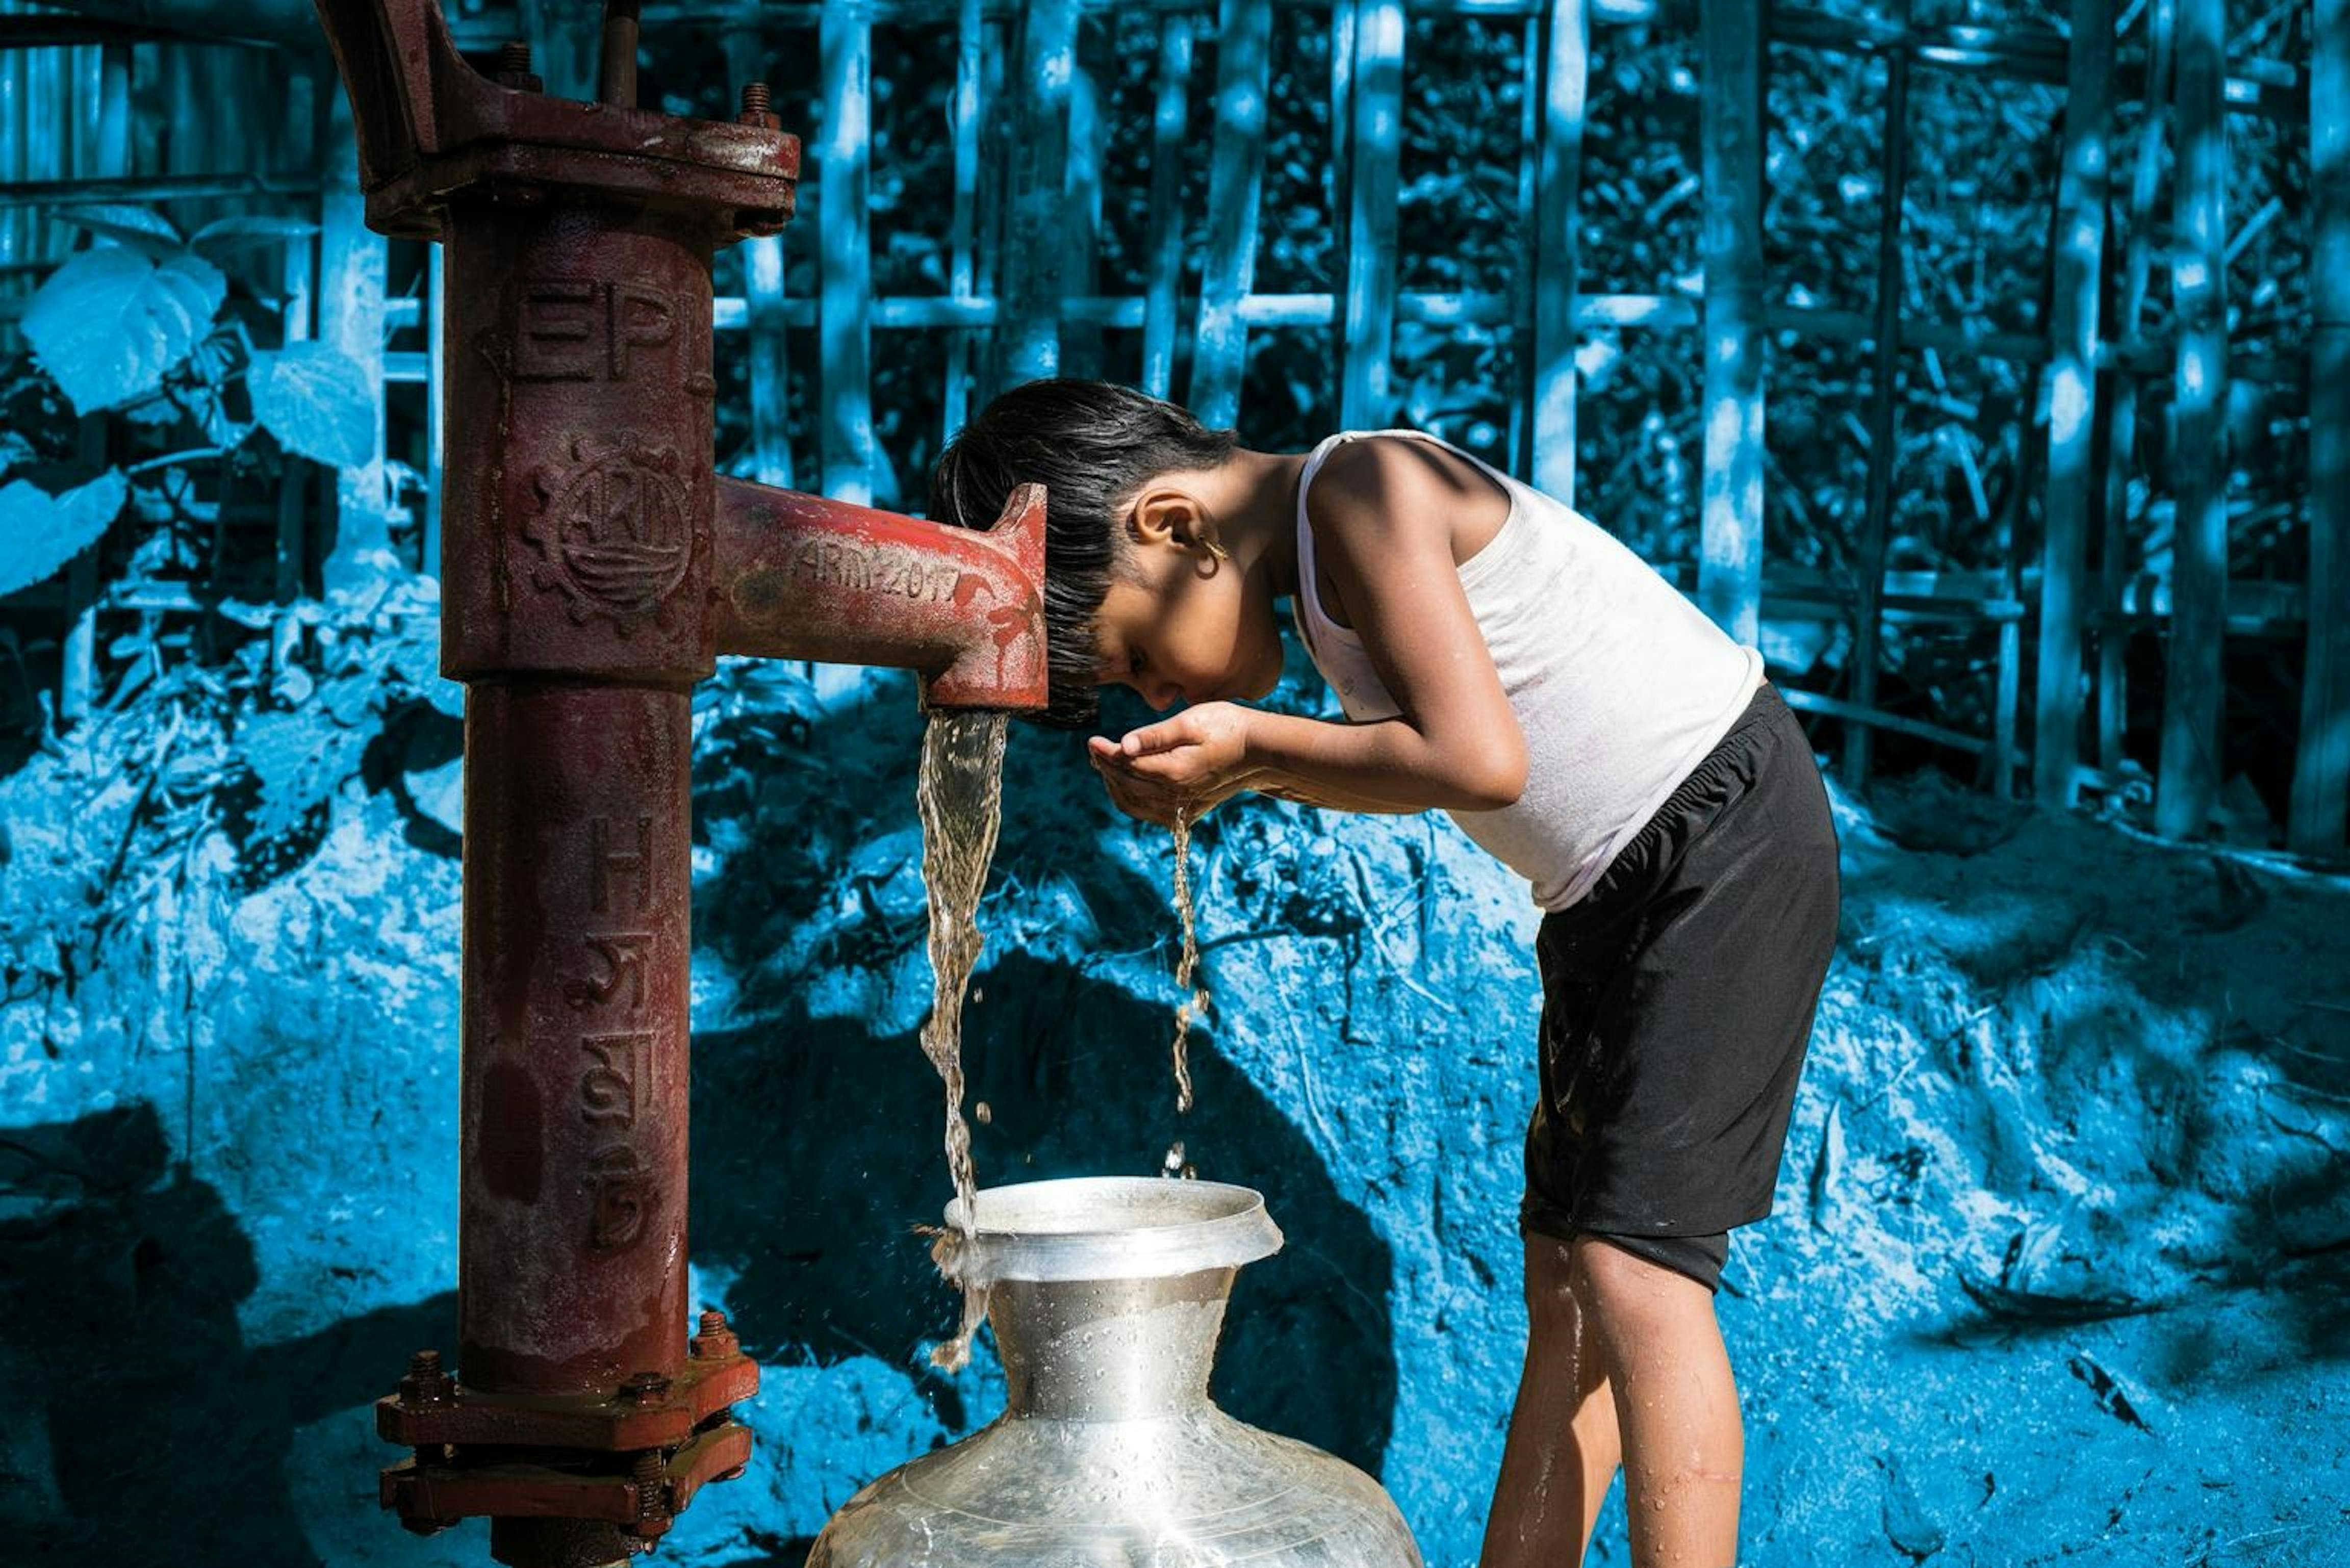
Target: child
x=1500, y=656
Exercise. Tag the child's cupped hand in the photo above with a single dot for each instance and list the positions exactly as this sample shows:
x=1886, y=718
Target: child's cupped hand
x=1188, y=763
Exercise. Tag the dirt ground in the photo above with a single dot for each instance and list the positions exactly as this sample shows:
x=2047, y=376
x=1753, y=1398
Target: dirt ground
x=2060, y=1270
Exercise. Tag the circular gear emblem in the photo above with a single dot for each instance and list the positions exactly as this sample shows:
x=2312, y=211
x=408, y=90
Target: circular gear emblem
x=614, y=529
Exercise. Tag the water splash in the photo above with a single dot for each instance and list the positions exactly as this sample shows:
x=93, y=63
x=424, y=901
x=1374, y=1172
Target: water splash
x=960, y=793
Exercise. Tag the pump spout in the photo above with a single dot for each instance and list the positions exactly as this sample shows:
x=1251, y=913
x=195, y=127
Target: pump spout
x=799, y=576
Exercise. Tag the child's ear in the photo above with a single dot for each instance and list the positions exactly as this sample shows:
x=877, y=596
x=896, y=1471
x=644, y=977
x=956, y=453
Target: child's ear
x=1165, y=514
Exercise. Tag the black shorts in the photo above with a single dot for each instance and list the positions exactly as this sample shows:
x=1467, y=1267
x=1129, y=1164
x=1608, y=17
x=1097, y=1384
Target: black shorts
x=1677, y=1000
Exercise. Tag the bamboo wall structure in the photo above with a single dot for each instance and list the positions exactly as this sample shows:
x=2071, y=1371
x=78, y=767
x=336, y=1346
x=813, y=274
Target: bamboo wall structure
x=71, y=133
x=1026, y=122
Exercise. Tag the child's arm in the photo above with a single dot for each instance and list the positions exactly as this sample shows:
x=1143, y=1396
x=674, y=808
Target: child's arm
x=1383, y=517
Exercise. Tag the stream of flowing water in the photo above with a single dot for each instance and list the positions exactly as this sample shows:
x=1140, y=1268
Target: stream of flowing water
x=960, y=793
x=1195, y=997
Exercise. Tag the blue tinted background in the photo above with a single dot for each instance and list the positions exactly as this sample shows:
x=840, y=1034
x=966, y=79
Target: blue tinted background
x=2059, y=1265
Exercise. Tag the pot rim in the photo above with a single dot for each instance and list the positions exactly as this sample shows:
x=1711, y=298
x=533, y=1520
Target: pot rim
x=1108, y=1228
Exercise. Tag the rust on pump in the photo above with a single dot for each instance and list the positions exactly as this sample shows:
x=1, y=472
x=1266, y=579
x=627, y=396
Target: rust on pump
x=594, y=565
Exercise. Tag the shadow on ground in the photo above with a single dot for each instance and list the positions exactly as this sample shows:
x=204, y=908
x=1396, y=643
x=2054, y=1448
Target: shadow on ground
x=135, y=1411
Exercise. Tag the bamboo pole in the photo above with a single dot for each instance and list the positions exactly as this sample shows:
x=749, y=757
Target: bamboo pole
x=2006, y=694
x=1339, y=181
x=2321, y=778
x=992, y=200
x=2189, y=783
x=228, y=141
x=2016, y=52
x=845, y=253
x=1859, y=717
x=562, y=38
x=19, y=194
x=1235, y=181
x=84, y=107
x=962, y=116
x=351, y=272
x=1366, y=346
x=795, y=13
x=1469, y=307
x=216, y=76
x=108, y=156
x=1081, y=227
x=2078, y=267
x=1729, y=569
x=289, y=22
x=2121, y=441
x=2015, y=511
x=763, y=291
x=1885, y=393
x=297, y=273
x=1163, y=288
x=1558, y=182
x=181, y=145
x=45, y=148
x=1028, y=331
x=16, y=250
x=436, y=436
x=1532, y=46
x=770, y=367
x=2269, y=88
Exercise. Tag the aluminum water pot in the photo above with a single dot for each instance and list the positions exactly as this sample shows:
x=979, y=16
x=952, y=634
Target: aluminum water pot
x=1106, y=1296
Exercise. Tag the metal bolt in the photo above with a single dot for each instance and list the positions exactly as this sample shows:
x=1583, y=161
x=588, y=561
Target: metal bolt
x=513, y=69
x=758, y=107
x=652, y=1476
x=425, y=1384
x=645, y=1388
x=714, y=1339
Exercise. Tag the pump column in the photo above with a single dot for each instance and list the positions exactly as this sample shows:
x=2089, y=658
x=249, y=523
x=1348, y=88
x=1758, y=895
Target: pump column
x=574, y=561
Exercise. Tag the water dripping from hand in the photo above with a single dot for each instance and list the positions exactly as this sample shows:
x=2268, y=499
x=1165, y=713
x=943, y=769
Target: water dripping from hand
x=1195, y=998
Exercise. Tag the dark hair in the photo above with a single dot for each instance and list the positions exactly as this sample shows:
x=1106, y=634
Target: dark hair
x=1091, y=445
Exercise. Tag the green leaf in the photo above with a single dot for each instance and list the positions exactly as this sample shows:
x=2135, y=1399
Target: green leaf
x=151, y=412
x=224, y=237
x=316, y=401
x=13, y=449
x=110, y=323
x=196, y=286
x=40, y=533
x=140, y=229
x=299, y=759
x=416, y=660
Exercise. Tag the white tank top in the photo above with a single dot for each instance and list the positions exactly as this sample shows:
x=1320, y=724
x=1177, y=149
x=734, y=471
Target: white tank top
x=1620, y=685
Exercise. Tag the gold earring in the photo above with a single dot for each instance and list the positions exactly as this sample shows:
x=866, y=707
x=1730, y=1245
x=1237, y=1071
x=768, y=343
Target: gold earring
x=1218, y=551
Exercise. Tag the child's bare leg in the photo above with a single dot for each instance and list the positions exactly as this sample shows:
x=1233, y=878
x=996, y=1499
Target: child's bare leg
x=1563, y=1450
x=1676, y=1405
